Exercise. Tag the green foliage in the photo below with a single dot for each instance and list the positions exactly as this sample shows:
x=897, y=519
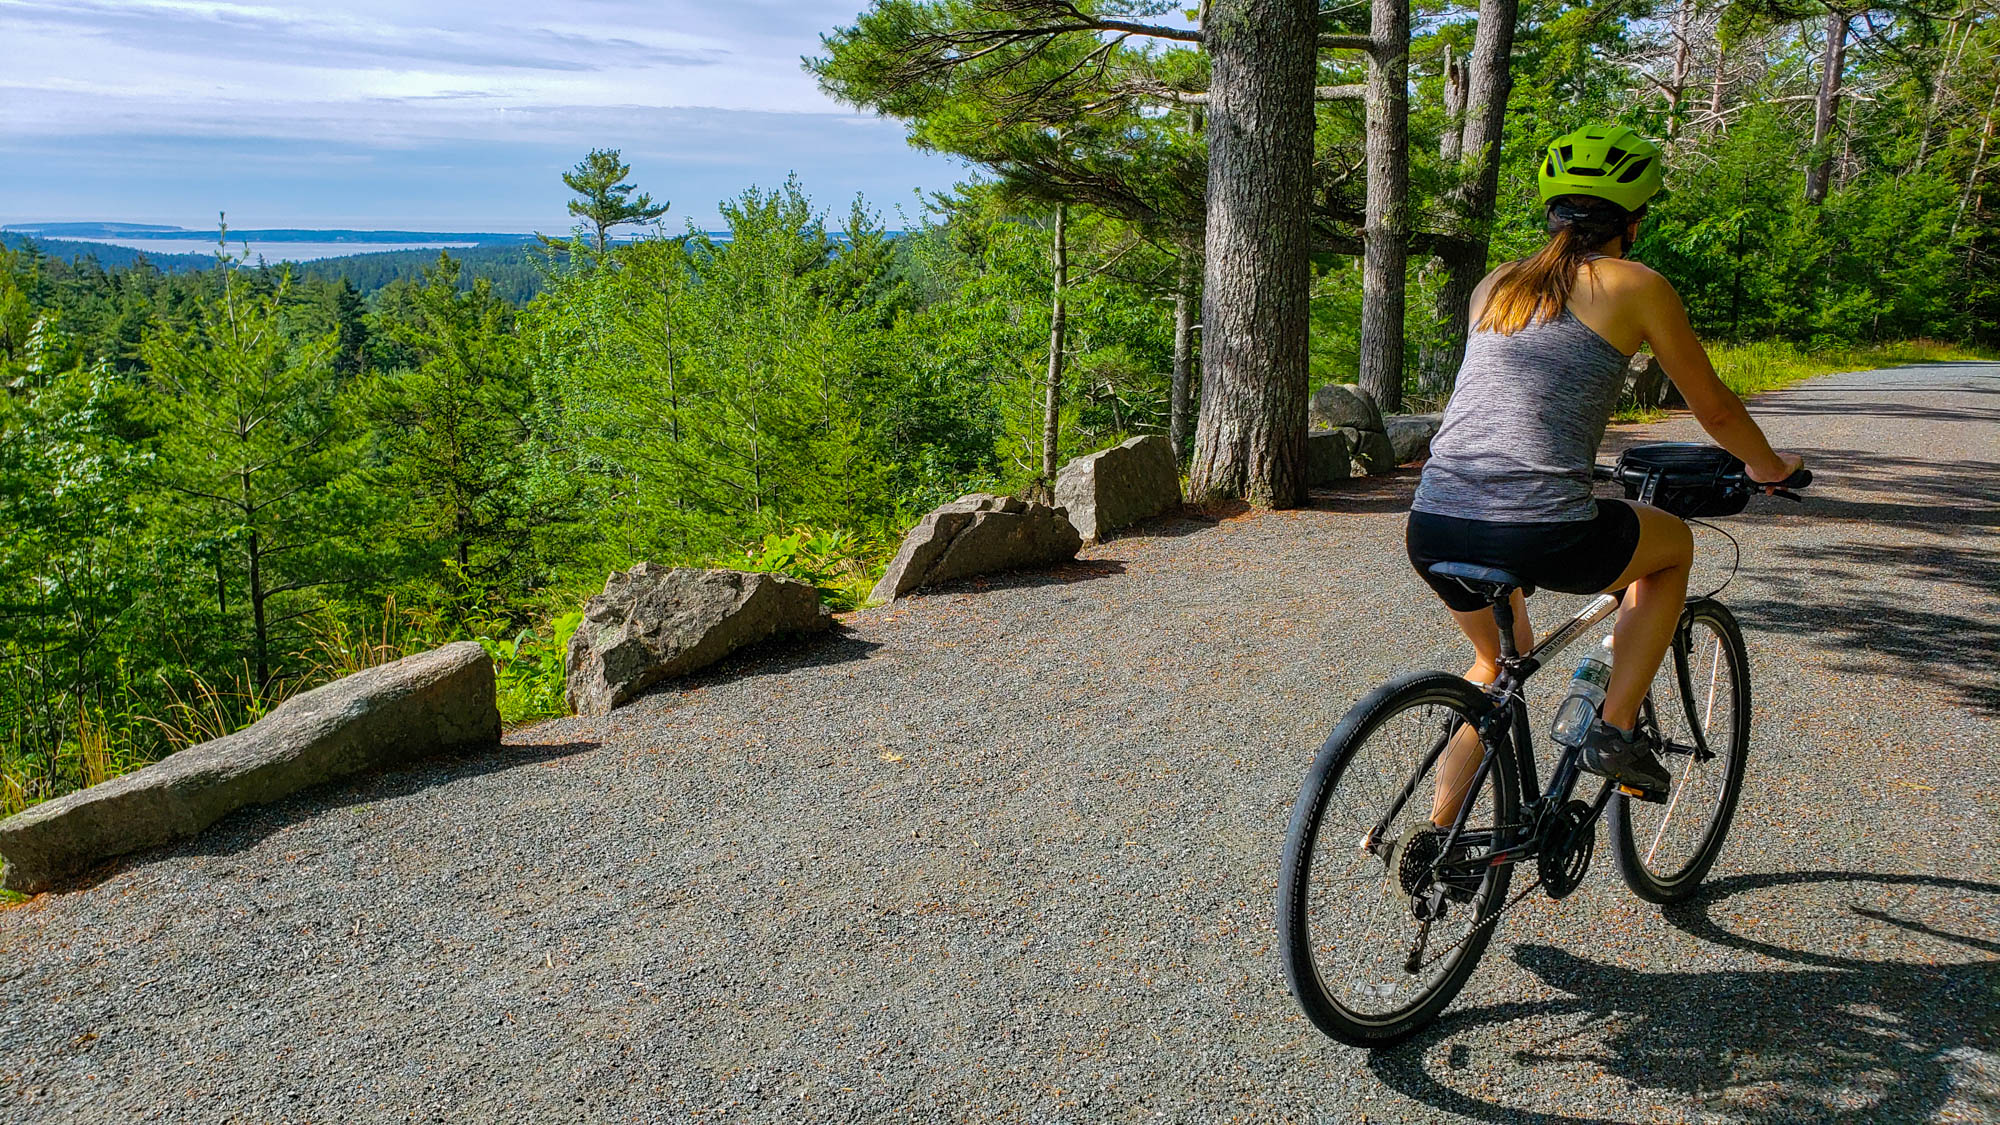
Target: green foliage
x=529, y=669
x=835, y=562
x=607, y=201
x=221, y=486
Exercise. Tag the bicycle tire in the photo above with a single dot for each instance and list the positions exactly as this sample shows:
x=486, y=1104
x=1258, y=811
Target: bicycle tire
x=1707, y=642
x=1336, y=757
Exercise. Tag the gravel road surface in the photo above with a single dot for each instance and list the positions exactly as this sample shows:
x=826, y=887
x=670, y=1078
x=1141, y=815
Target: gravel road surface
x=1008, y=853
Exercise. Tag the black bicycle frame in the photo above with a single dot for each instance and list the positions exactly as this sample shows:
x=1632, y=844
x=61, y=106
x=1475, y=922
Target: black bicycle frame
x=1504, y=725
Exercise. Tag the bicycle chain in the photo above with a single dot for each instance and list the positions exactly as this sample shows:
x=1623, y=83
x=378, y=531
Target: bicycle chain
x=1485, y=923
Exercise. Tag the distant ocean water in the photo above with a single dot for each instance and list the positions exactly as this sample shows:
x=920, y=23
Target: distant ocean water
x=275, y=251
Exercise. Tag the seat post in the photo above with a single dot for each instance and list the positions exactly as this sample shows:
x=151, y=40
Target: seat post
x=1503, y=612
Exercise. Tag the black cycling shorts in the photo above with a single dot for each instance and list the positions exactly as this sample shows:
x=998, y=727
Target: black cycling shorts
x=1575, y=557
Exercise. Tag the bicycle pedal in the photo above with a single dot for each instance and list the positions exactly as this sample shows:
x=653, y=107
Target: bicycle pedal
x=1643, y=795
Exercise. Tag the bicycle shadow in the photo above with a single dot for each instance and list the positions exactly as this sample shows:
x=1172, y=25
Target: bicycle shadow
x=1840, y=1039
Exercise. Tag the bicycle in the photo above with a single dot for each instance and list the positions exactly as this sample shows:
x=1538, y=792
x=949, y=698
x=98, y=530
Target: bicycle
x=1402, y=909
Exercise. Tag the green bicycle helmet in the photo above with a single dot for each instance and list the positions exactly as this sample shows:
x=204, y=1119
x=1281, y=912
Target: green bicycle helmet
x=1607, y=161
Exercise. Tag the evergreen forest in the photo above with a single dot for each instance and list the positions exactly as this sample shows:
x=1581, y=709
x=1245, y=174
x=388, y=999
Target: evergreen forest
x=221, y=486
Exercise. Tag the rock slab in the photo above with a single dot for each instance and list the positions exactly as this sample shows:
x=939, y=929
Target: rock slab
x=1119, y=486
x=1373, y=454
x=654, y=622
x=1328, y=457
x=1344, y=404
x=978, y=533
x=1410, y=435
x=1647, y=386
x=437, y=702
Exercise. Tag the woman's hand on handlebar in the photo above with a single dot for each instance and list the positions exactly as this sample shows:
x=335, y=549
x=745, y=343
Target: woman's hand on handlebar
x=1790, y=465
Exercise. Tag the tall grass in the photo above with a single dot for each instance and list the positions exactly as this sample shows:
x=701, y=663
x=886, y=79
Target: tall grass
x=95, y=751
x=1767, y=365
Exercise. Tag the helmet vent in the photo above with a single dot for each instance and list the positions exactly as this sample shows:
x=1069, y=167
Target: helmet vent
x=1615, y=157
x=1632, y=174
x=1563, y=154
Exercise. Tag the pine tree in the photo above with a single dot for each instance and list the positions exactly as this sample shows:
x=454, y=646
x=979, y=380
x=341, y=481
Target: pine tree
x=608, y=201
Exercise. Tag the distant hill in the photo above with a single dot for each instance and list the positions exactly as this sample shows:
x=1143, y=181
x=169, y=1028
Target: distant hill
x=511, y=268
x=109, y=256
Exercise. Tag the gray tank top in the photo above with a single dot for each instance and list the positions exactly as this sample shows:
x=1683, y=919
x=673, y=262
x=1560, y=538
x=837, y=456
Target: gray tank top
x=1522, y=428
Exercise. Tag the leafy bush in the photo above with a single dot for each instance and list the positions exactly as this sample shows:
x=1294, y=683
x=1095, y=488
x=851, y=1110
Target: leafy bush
x=837, y=563
x=529, y=670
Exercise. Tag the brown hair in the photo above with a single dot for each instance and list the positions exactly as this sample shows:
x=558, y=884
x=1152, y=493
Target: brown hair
x=1537, y=290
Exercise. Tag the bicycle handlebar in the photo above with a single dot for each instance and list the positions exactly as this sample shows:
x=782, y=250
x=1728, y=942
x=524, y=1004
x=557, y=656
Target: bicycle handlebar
x=1785, y=488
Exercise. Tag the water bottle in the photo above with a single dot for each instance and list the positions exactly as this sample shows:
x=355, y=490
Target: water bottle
x=1586, y=695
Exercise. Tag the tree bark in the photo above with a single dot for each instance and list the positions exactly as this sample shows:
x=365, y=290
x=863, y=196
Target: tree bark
x=1451, y=144
x=1938, y=86
x=1716, y=83
x=1978, y=162
x=262, y=637
x=1385, y=230
x=1179, y=424
x=1052, y=399
x=1683, y=64
x=1826, y=106
x=1250, y=436
x=1490, y=81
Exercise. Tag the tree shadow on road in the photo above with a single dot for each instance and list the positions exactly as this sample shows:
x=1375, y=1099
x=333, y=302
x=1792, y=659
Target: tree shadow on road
x=1842, y=1039
x=1922, y=493
x=1384, y=492
x=1914, y=594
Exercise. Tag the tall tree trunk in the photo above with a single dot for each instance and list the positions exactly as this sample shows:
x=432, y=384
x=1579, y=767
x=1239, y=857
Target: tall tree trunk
x=1489, y=83
x=262, y=639
x=1683, y=64
x=1251, y=434
x=1052, y=397
x=1938, y=86
x=1178, y=421
x=1978, y=163
x=1826, y=106
x=1716, y=84
x=1451, y=145
x=1385, y=233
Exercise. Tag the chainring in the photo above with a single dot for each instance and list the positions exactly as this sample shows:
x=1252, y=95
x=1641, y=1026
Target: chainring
x=1566, y=858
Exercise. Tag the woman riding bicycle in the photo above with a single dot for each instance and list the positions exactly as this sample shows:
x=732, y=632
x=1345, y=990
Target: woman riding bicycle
x=1508, y=484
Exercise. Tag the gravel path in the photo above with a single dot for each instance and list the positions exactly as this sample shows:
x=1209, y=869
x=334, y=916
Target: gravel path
x=1008, y=853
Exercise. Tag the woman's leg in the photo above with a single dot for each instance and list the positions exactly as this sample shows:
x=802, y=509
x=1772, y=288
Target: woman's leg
x=1461, y=758
x=1655, y=584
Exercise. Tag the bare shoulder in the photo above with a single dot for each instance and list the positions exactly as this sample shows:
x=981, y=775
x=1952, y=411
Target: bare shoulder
x=1623, y=275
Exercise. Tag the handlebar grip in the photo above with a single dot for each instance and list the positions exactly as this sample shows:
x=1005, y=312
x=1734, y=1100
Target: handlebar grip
x=1799, y=479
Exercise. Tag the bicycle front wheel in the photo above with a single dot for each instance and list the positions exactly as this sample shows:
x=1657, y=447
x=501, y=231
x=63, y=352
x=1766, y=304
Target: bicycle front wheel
x=1377, y=927
x=1701, y=703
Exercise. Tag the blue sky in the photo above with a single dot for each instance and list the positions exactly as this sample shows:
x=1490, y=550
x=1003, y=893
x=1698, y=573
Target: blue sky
x=423, y=114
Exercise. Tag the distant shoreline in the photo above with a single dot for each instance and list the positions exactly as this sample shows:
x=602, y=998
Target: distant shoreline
x=120, y=233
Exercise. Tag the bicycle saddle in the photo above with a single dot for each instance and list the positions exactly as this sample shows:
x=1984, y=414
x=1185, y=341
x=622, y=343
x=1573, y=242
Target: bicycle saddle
x=1488, y=582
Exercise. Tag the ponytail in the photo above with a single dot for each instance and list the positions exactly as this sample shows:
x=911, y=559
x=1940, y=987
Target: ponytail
x=1537, y=291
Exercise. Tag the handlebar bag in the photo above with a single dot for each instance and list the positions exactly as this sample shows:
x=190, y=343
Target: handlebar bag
x=1689, y=479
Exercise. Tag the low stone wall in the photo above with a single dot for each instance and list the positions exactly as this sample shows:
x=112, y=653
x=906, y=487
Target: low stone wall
x=655, y=622
x=978, y=533
x=1117, y=487
x=438, y=702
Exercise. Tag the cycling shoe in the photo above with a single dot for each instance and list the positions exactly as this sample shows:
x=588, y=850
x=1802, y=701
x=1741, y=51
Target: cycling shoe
x=1627, y=761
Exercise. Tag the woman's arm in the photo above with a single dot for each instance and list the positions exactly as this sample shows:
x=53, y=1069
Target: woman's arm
x=1665, y=322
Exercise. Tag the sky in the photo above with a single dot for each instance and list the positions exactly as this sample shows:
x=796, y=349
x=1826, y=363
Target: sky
x=425, y=114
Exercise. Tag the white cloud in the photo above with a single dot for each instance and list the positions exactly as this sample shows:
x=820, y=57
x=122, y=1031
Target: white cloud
x=393, y=113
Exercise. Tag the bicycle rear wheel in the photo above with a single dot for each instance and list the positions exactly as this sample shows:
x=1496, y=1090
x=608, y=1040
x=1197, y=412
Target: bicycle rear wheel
x=1360, y=876
x=1703, y=689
